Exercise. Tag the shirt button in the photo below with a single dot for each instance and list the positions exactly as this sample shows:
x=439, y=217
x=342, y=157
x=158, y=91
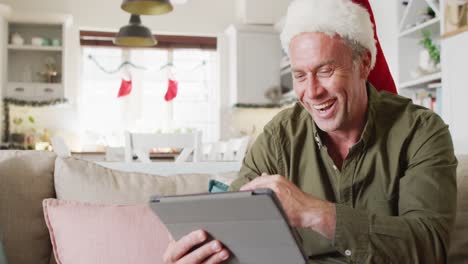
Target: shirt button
x=348, y=252
x=335, y=167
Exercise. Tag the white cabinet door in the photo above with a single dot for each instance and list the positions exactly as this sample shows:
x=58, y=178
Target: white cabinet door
x=253, y=62
x=34, y=91
x=48, y=91
x=455, y=88
x=20, y=91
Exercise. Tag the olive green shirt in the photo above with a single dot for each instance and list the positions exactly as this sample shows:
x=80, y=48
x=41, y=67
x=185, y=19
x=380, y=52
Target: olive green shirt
x=395, y=194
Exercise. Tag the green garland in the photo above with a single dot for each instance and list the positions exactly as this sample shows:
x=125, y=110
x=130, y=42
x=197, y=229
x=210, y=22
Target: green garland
x=267, y=105
x=12, y=101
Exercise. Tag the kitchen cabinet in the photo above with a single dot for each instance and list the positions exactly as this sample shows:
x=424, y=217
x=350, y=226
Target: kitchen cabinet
x=35, y=57
x=252, y=55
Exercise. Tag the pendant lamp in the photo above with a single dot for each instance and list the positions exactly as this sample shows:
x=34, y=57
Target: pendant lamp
x=147, y=7
x=135, y=34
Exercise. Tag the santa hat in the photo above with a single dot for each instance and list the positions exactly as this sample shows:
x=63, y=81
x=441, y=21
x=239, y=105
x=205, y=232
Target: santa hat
x=351, y=19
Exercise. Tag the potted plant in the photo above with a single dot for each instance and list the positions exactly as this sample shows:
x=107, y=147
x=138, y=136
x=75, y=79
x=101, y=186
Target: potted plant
x=429, y=57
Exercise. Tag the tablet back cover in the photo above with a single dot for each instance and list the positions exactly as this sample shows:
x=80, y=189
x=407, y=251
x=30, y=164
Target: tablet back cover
x=250, y=225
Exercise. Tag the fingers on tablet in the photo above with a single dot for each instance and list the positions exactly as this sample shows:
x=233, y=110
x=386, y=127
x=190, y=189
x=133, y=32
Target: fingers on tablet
x=212, y=252
x=218, y=257
x=179, y=249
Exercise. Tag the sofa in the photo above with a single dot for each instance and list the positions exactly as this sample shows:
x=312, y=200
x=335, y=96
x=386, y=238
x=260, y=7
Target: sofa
x=29, y=177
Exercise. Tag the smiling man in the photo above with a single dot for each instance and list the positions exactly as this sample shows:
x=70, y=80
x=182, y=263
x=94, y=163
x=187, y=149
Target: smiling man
x=365, y=176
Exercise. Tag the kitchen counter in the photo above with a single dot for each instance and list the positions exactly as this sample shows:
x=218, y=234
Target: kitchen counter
x=101, y=155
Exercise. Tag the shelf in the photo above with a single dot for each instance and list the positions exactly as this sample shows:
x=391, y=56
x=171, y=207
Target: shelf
x=411, y=13
x=435, y=85
x=433, y=4
x=34, y=48
x=422, y=80
x=433, y=24
x=405, y=14
x=455, y=32
x=34, y=83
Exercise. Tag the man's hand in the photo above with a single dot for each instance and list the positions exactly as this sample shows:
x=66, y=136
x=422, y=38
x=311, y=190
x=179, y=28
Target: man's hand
x=301, y=209
x=210, y=253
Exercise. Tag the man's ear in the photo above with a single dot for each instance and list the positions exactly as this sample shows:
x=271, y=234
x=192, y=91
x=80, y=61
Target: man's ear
x=365, y=67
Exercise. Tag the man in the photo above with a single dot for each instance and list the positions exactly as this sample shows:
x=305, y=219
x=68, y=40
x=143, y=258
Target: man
x=365, y=176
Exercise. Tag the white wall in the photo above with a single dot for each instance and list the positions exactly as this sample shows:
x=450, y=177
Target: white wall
x=386, y=19
x=200, y=17
x=4, y=12
x=260, y=11
x=455, y=89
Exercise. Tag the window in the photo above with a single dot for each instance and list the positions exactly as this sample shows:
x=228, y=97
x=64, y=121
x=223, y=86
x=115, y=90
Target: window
x=104, y=117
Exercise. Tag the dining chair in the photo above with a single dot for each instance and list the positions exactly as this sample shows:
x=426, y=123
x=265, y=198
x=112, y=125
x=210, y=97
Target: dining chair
x=115, y=154
x=233, y=149
x=141, y=144
x=60, y=147
x=237, y=148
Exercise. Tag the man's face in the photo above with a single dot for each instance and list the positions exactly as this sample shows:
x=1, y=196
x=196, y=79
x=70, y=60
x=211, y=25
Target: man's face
x=326, y=82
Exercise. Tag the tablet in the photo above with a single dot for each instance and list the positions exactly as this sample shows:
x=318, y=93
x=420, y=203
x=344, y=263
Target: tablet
x=251, y=224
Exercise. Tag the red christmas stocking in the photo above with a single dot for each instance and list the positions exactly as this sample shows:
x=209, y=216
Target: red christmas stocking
x=171, y=90
x=125, y=88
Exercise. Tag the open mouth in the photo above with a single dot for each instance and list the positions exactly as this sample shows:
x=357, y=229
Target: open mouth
x=322, y=108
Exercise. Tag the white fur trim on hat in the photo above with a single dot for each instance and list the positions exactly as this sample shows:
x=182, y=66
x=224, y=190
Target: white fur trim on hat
x=342, y=17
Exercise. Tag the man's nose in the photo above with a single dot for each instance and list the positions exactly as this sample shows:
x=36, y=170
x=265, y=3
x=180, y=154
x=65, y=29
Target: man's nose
x=313, y=89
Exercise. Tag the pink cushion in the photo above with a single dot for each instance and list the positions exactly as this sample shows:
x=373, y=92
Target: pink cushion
x=87, y=233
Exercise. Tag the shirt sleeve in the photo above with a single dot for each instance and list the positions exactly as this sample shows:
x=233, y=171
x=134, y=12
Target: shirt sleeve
x=426, y=207
x=262, y=158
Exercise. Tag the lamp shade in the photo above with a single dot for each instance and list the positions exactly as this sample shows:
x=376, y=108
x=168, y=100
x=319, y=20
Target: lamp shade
x=147, y=7
x=135, y=34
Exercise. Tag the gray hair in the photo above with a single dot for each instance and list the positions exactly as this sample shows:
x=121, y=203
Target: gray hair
x=357, y=49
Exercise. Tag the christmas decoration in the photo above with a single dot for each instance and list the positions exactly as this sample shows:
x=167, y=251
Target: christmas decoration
x=125, y=88
x=171, y=90
x=380, y=76
x=352, y=19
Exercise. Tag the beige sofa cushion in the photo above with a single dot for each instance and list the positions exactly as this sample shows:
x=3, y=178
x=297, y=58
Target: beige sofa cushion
x=458, y=252
x=84, y=181
x=26, y=178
